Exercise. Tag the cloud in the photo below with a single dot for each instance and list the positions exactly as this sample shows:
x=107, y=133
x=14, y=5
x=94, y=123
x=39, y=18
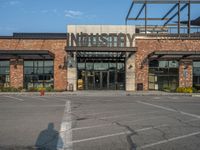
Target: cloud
x=7, y=28
x=44, y=11
x=13, y=2
x=73, y=14
x=9, y=3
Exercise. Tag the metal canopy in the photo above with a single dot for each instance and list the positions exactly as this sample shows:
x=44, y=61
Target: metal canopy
x=180, y=5
x=26, y=54
x=100, y=49
x=175, y=55
x=101, y=56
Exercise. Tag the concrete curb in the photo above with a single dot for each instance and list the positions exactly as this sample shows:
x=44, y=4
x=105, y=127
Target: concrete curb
x=38, y=93
x=196, y=95
x=102, y=93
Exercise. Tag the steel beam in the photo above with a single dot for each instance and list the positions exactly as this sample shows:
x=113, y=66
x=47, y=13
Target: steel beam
x=179, y=17
x=165, y=1
x=129, y=11
x=189, y=19
x=145, y=17
x=170, y=11
x=181, y=9
x=140, y=11
x=148, y=19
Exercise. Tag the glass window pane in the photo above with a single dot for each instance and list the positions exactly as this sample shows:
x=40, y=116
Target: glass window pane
x=196, y=71
x=120, y=66
x=38, y=74
x=40, y=63
x=4, y=73
x=166, y=72
x=163, y=64
x=4, y=63
x=100, y=66
x=48, y=70
x=153, y=63
x=28, y=70
x=81, y=65
x=89, y=66
x=153, y=71
x=40, y=70
x=28, y=63
x=163, y=71
x=173, y=64
x=112, y=66
x=4, y=70
x=173, y=71
x=48, y=63
x=173, y=82
x=196, y=64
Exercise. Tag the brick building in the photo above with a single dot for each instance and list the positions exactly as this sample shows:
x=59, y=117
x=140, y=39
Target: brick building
x=100, y=57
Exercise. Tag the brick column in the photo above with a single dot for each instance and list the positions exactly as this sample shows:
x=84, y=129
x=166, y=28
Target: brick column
x=185, y=73
x=16, y=73
x=130, y=72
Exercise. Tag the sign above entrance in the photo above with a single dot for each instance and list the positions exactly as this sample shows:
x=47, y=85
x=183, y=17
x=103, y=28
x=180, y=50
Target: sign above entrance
x=100, y=40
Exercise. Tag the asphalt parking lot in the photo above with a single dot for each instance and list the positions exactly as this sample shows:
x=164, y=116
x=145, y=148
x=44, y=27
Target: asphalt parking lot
x=99, y=122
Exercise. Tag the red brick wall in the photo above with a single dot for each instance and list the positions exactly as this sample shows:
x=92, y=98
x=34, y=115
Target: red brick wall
x=16, y=73
x=185, y=79
x=147, y=46
x=55, y=46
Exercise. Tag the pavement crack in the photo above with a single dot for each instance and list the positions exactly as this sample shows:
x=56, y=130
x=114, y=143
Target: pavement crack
x=162, y=132
x=132, y=145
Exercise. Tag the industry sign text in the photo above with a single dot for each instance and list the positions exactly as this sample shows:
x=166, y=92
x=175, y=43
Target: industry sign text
x=100, y=40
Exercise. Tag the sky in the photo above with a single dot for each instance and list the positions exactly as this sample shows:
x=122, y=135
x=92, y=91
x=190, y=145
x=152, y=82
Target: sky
x=55, y=15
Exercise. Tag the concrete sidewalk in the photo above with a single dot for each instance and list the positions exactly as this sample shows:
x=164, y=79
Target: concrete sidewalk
x=103, y=93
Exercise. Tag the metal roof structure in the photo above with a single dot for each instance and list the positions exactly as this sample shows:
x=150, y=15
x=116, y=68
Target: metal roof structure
x=40, y=35
x=175, y=55
x=26, y=54
x=177, y=5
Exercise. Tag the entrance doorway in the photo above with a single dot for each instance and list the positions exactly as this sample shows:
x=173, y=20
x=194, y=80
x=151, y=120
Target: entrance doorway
x=101, y=73
x=97, y=80
x=103, y=80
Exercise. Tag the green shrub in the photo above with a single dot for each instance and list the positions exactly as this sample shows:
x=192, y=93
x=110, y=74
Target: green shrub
x=9, y=89
x=32, y=89
x=185, y=90
x=49, y=89
x=194, y=90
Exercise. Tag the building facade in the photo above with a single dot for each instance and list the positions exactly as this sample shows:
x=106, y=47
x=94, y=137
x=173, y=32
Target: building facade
x=100, y=57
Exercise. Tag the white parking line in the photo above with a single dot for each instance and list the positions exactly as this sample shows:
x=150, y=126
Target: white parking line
x=110, y=124
x=116, y=134
x=19, y=99
x=169, y=140
x=117, y=116
x=170, y=109
x=64, y=141
x=128, y=132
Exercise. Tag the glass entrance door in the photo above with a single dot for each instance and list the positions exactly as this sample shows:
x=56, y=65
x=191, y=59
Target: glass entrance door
x=104, y=80
x=97, y=75
x=97, y=80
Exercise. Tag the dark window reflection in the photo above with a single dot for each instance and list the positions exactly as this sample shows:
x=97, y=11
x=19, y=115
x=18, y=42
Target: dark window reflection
x=163, y=74
x=4, y=74
x=196, y=74
x=38, y=73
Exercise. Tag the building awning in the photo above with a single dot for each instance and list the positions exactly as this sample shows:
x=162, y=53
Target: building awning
x=26, y=54
x=175, y=55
